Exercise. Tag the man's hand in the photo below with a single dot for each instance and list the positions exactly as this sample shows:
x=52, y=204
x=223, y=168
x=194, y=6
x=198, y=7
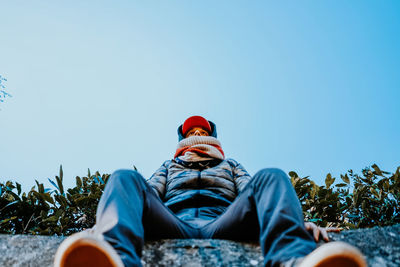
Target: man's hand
x=320, y=231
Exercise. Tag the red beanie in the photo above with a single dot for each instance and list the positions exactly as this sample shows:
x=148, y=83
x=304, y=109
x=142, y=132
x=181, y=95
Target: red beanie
x=195, y=121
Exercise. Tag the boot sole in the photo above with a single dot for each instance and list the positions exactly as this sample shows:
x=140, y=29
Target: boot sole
x=83, y=250
x=335, y=254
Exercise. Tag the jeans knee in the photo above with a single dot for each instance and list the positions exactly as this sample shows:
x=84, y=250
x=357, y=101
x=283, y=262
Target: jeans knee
x=271, y=174
x=267, y=172
x=126, y=176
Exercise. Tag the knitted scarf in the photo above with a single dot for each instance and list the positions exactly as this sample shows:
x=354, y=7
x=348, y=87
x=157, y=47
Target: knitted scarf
x=199, y=148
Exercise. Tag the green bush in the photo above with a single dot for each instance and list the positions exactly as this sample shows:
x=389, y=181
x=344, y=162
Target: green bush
x=51, y=212
x=367, y=200
x=361, y=201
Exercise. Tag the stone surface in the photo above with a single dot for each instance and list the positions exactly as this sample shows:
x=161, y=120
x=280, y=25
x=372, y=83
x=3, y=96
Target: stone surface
x=28, y=250
x=196, y=253
x=381, y=246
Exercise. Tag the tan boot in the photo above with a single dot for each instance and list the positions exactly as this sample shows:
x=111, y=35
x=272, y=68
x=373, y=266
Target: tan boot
x=334, y=254
x=84, y=250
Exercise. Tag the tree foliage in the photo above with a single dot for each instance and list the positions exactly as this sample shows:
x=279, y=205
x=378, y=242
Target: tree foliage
x=47, y=212
x=357, y=201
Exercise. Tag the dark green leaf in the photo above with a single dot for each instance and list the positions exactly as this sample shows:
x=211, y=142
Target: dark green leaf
x=60, y=185
x=374, y=192
x=61, y=173
x=329, y=180
x=345, y=178
x=8, y=219
x=18, y=188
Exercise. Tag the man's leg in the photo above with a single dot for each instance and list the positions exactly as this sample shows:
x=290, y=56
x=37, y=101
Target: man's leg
x=130, y=211
x=267, y=207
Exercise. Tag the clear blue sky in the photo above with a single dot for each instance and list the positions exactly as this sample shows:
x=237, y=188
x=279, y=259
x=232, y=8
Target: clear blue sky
x=310, y=86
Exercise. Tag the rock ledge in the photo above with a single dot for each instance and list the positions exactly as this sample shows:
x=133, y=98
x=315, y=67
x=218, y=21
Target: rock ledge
x=381, y=246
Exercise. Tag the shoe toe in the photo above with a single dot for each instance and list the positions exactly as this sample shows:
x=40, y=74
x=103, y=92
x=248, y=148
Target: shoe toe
x=335, y=254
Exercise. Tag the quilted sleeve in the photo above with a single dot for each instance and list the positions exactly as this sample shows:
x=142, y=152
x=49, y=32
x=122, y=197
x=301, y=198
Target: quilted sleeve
x=241, y=176
x=159, y=179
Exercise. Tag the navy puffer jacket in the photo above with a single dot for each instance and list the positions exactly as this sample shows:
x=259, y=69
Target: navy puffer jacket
x=181, y=187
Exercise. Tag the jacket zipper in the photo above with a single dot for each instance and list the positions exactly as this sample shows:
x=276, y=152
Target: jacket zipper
x=198, y=192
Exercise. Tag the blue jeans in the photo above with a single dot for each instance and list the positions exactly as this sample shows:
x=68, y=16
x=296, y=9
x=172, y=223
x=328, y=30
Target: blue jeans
x=267, y=210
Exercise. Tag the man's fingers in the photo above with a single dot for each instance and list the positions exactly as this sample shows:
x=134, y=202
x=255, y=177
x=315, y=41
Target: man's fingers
x=308, y=226
x=324, y=235
x=316, y=234
x=333, y=229
x=320, y=231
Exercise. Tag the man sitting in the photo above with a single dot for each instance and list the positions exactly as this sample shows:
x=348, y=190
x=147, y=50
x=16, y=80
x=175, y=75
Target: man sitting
x=201, y=194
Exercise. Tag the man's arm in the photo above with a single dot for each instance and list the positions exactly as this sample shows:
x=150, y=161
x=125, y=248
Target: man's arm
x=240, y=175
x=159, y=180
x=242, y=178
